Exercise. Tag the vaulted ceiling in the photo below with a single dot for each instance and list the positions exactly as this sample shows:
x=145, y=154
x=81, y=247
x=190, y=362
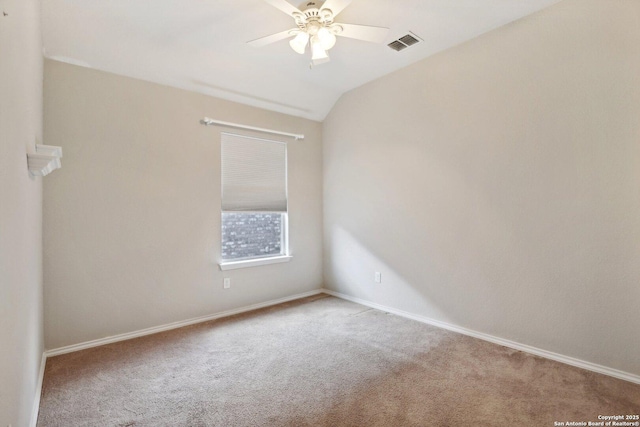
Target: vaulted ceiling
x=201, y=45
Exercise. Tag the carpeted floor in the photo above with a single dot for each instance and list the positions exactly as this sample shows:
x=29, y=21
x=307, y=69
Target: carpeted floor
x=320, y=361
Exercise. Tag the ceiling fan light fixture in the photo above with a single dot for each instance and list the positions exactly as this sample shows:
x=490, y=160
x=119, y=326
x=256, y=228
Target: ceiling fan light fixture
x=299, y=42
x=318, y=53
x=327, y=38
x=315, y=27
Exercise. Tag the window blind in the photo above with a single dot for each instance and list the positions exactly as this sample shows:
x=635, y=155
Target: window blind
x=254, y=174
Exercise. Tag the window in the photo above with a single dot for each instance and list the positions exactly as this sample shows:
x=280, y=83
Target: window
x=251, y=235
x=254, y=201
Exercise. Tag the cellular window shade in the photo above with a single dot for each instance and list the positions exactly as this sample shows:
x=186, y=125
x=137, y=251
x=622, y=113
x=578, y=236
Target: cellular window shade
x=254, y=174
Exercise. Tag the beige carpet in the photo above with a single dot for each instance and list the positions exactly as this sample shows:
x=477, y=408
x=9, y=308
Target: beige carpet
x=320, y=361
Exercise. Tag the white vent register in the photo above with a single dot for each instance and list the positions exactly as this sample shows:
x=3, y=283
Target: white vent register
x=404, y=42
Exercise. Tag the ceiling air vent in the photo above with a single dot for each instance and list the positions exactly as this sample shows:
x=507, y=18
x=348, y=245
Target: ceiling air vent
x=404, y=42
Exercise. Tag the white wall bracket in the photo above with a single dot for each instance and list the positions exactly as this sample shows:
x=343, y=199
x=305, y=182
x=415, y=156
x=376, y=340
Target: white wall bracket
x=45, y=160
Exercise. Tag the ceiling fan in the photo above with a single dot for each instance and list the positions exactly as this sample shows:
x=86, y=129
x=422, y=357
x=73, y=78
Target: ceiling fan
x=315, y=27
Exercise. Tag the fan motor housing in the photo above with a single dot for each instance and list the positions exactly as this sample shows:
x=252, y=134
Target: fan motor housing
x=312, y=11
x=311, y=4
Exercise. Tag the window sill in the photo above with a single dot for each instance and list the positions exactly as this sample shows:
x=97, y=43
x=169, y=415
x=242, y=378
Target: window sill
x=232, y=265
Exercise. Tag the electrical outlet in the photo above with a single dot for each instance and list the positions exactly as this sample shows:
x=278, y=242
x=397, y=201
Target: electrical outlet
x=227, y=282
x=378, y=277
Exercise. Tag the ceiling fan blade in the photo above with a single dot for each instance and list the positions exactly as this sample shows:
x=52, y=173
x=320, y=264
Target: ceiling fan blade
x=336, y=6
x=263, y=41
x=284, y=6
x=363, y=32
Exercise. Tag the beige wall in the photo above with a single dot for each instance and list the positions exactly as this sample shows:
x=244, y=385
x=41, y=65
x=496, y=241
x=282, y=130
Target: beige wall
x=132, y=220
x=496, y=186
x=20, y=210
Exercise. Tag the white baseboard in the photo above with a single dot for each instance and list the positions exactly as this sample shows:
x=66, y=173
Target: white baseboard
x=174, y=325
x=496, y=340
x=500, y=341
x=36, y=400
x=143, y=332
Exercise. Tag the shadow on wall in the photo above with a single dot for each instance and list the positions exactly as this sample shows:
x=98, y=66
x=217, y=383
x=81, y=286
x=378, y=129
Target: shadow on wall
x=460, y=244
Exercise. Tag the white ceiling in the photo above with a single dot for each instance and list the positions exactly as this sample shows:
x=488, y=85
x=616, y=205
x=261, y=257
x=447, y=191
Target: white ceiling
x=200, y=45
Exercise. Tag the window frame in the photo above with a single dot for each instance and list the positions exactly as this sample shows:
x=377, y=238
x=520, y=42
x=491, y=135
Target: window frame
x=283, y=233
x=284, y=255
